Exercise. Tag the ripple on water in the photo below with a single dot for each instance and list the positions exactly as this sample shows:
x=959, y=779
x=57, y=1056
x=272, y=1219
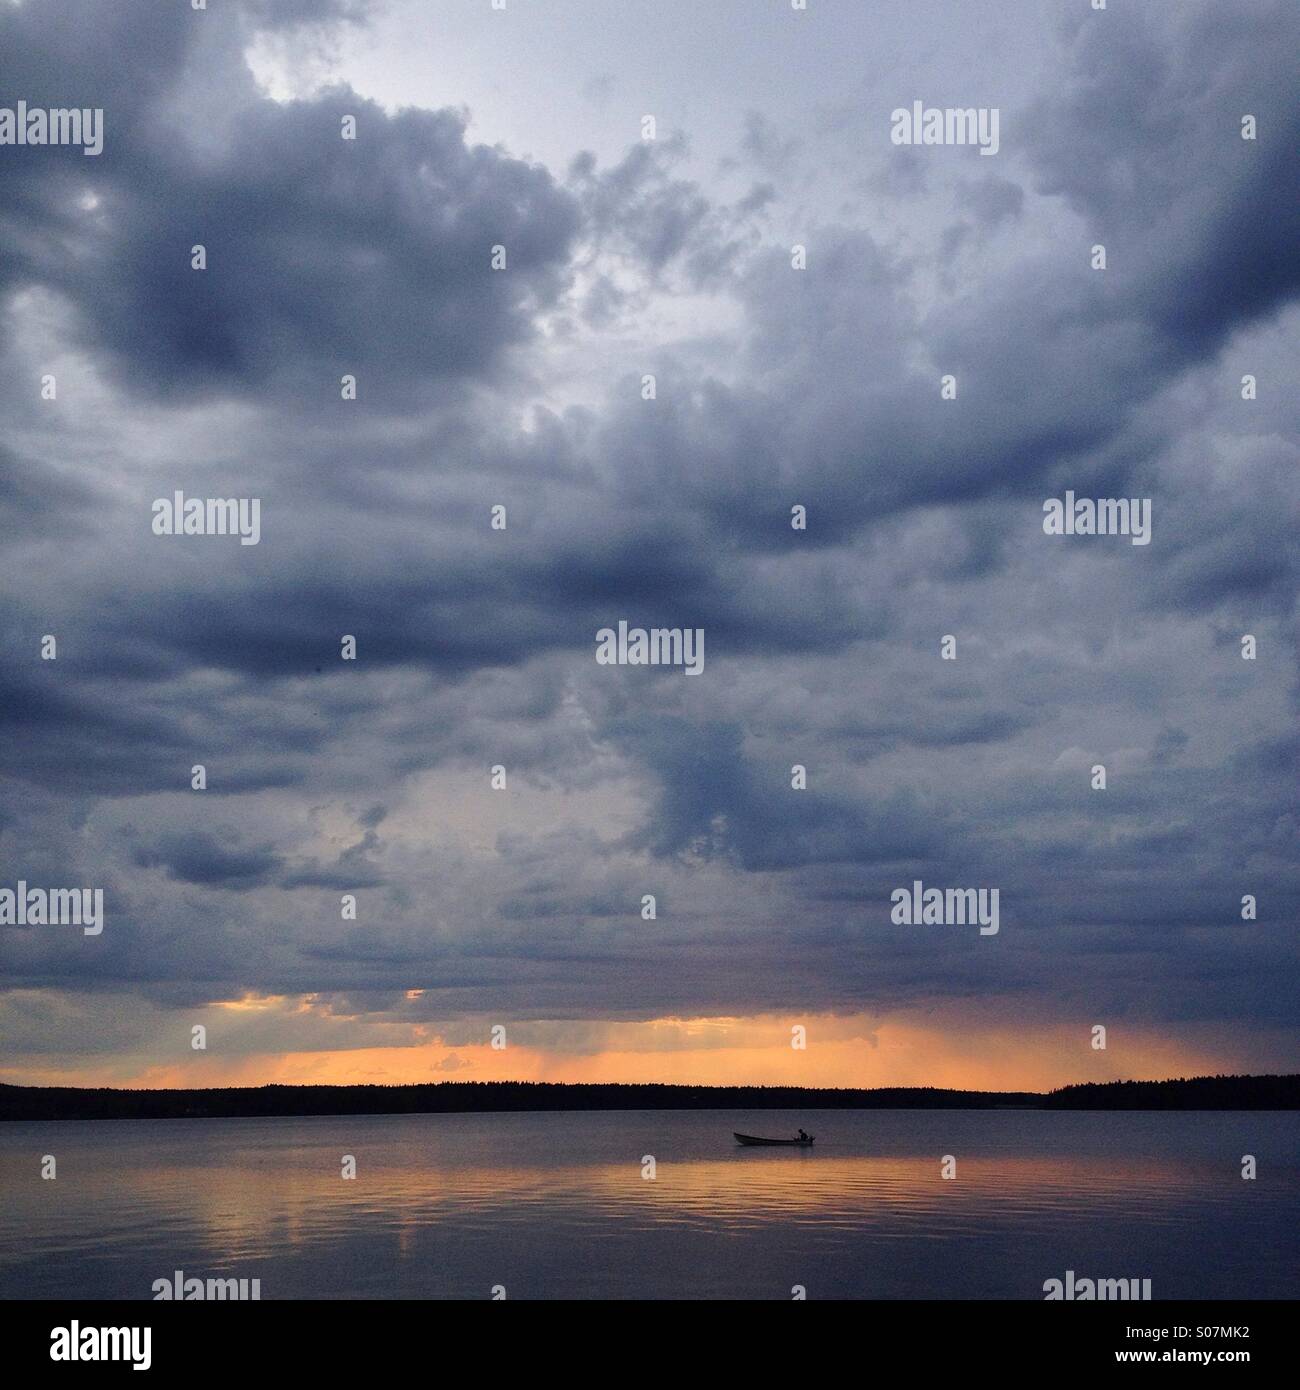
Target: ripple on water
x=557, y=1205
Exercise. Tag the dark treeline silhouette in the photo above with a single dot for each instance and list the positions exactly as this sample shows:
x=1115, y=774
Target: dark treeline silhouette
x=102, y=1103
x=1182, y=1093
x=39, y=1102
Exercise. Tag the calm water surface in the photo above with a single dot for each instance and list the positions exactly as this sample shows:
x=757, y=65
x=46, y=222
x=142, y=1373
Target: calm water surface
x=446, y=1206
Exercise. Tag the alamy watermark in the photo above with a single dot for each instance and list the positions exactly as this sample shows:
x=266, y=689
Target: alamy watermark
x=58, y=125
x=55, y=907
x=77, y=1343
x=945, y=125
x=1104, y=516
x=656, y=646
x=179, y=515
x=1101, y=1290
x=194, y=1290
x=947, y=907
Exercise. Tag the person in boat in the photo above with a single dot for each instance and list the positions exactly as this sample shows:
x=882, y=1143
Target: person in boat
x=803, y=1136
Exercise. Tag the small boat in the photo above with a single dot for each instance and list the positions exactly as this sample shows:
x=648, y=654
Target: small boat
x=784, y=1143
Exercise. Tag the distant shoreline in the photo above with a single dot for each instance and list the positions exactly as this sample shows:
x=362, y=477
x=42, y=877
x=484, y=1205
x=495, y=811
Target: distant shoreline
x=497, y=1097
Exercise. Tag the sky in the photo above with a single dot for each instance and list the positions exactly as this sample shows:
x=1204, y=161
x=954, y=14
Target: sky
x=799, y=287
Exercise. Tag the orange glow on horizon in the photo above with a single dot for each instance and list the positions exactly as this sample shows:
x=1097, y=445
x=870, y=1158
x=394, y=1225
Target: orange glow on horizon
x=841, y=1051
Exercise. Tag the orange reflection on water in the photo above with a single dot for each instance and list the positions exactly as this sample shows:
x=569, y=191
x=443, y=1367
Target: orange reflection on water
x=242, y=1209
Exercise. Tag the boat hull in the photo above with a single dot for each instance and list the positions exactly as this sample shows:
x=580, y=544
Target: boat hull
x=753, y=1141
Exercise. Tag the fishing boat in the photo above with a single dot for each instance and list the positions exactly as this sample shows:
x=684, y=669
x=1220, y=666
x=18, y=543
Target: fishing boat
x=751, y=1139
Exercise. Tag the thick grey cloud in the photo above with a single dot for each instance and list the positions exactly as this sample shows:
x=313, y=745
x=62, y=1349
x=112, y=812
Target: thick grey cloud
x=775, y=387
x=325, y=255
x=1146, y=133
x=193, y=857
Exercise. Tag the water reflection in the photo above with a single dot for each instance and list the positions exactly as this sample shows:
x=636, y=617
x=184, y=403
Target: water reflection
x=557, y=1205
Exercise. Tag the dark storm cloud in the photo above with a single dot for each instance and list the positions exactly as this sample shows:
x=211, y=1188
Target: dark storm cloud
x=325, y=255
x=193, y=857
x=475, y=648
x=1052, y=359
x=1145, y=136
x=713, y=801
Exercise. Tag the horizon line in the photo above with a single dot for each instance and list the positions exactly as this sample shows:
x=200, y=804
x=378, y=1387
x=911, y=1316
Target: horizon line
x=662, y=1085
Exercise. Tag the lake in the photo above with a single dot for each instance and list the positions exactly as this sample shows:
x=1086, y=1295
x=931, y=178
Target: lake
x=555, y=1205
